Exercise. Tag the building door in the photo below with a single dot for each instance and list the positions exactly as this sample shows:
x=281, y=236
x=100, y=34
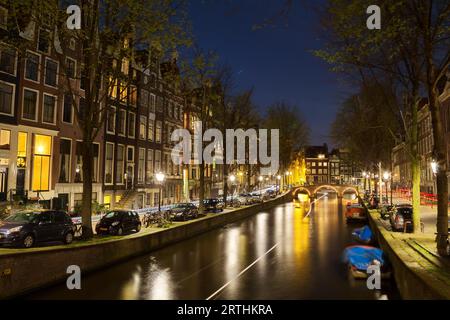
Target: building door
x=63, y=202
x=3, y=184
x=20, y=182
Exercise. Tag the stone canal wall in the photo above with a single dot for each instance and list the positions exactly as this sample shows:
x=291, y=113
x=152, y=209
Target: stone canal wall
x=27, y=270
x=417, y=272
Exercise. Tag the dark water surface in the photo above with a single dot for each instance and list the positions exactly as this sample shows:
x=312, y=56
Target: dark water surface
x=272, y=255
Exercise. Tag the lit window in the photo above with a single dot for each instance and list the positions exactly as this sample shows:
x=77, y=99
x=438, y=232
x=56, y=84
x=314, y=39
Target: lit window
x=41, y=162
x=5, y=139
x=142, y=127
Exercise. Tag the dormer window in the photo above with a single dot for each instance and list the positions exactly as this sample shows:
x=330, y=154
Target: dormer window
x=44, y=41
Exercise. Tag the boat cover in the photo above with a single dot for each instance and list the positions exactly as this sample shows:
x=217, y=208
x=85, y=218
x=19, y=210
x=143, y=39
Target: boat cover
x=363, y=234
x=361, y=257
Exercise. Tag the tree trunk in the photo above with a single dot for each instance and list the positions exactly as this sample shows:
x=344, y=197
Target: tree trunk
x=201, y=195
x=441, y=176
x=86, y=209
x=415, y=165
x=225, y=181
x=415, y=168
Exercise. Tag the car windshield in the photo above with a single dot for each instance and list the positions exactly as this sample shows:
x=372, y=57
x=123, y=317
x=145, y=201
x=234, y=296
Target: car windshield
x=405, y=212
x=182, y=205
x=112, y=214
x=22, y=217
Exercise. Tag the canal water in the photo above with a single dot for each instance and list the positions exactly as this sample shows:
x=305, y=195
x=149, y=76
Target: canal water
x=278, y=254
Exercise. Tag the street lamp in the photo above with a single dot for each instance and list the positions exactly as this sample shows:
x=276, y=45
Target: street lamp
x=160, y=177
x=232, y=178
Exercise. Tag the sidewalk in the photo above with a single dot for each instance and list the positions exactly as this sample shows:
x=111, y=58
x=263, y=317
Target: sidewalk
x=428, y=215
x=419, y=271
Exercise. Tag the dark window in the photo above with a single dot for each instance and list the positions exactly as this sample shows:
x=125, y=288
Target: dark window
x=67, y=109
x=29, y=104
x=70, y=68
x=8, y=60
x=51, y=69
x=64, y=158
x=32, y=66
x=49, y=109
x=44, y=40
x=6, y=98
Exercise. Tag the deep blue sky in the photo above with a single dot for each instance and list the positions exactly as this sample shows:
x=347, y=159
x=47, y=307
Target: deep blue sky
x=275, y=60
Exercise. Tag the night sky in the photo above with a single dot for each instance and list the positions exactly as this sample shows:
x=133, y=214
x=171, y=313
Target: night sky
x=276, y=60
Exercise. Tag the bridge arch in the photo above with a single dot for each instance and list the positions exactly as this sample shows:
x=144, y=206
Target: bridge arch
x=299, y=190
x=350, y=189
x=326, y=186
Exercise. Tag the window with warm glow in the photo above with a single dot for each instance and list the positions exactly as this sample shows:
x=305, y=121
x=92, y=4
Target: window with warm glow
x=22, y=144
x=41, y=162
x=5, y=139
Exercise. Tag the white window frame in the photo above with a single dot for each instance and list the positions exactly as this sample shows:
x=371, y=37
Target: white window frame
x=39, y=67
x=37, y=104
x=122, y=116
x=15, y=60
x=70, y=159
x=107, y=120
x=128, y=125
x=62, y=111
x=145, y=128
x=75, y=68
x=12, y=98
x=55, y=111
x=112, y=166
x=139, y=166
x=124, y=164
x=45, y=72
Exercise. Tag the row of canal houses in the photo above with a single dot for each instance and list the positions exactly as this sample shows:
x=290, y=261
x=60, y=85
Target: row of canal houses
x=40, y=139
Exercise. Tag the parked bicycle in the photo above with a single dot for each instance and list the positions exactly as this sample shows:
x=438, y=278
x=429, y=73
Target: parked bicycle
x=159, y=219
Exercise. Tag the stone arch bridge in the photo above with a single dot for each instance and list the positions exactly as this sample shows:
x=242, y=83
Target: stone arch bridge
x=314, y=189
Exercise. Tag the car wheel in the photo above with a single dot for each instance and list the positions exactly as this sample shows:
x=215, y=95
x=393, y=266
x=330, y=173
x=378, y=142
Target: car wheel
x=138, y=228
x=68, y=238
x=119, y=231
x=28, y=241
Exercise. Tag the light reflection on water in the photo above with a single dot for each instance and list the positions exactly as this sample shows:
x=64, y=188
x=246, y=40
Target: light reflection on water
x=305, y=264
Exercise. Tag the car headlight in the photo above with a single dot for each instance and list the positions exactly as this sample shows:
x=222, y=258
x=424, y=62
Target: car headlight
x=16, y=229
x=115, y=223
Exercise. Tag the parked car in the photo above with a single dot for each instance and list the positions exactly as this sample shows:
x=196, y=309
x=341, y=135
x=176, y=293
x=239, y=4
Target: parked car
x=29, y=227
x=355, y=212
x=246, y=199
x=116, y=222
x=213, y=205
x=401, y=216
x=184, y=211
x=257, y=197
x=271, y=193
